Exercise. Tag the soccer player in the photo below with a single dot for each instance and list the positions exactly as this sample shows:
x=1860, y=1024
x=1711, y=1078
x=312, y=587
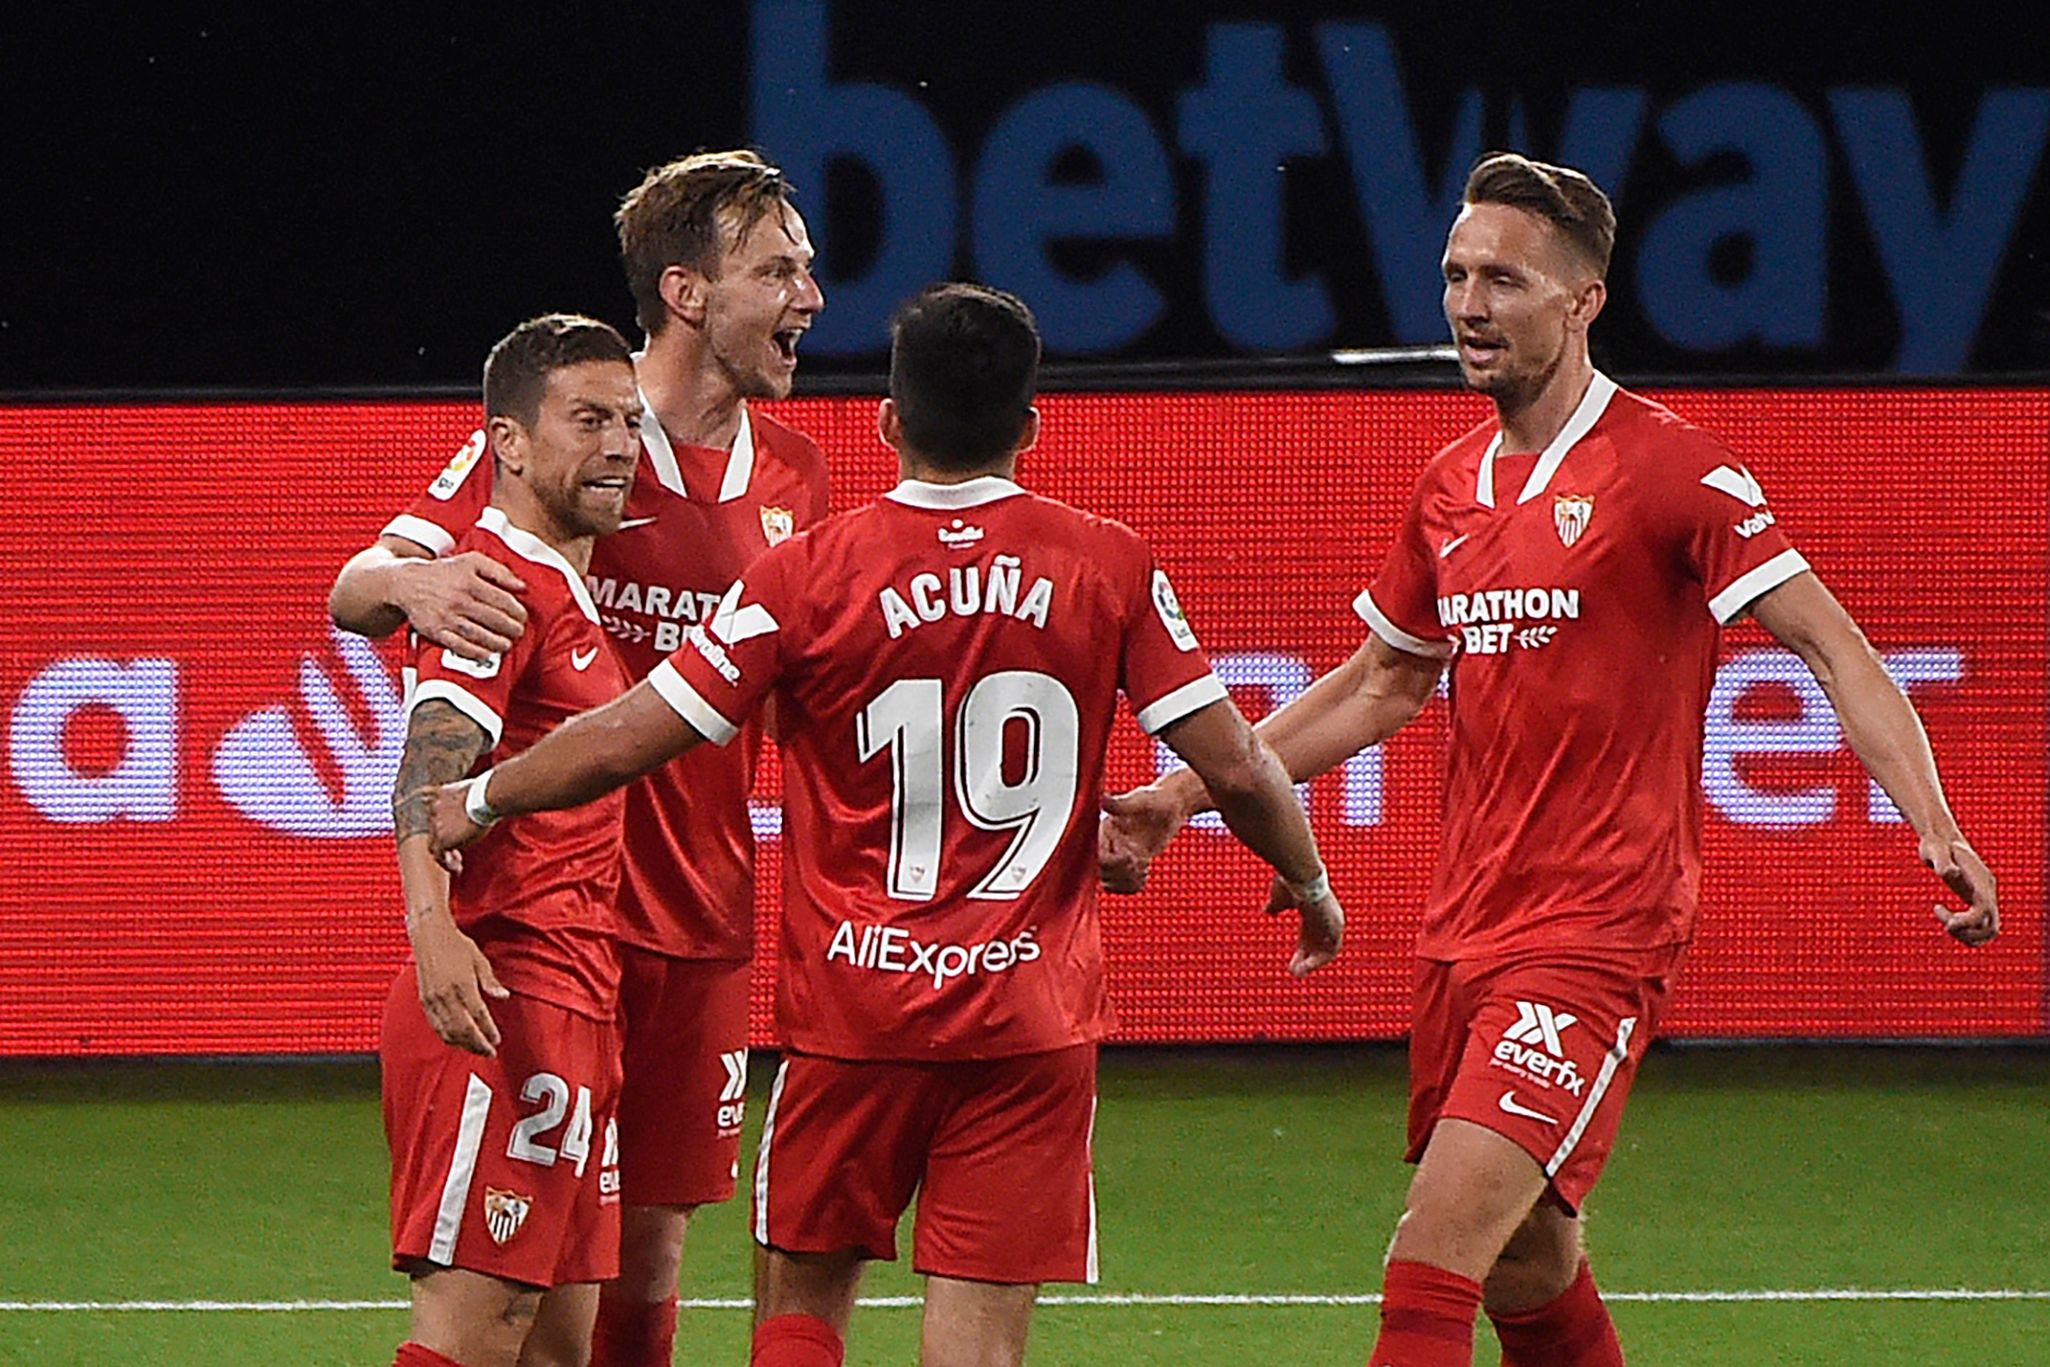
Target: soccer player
x=499, y=1048
x=945, y=665
x=719, y=262
x=1573, y=559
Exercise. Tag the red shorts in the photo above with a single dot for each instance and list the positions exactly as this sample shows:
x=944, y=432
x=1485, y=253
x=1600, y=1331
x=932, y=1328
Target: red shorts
x=684, y=1023
x=1541, y=1050
x=997, y=1150
x=509, y=1165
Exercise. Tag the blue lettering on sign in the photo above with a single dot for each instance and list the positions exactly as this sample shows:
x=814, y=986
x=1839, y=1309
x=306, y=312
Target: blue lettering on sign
x=1741, y=261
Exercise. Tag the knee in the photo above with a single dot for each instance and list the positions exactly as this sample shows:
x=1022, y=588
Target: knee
x=1532, y=1271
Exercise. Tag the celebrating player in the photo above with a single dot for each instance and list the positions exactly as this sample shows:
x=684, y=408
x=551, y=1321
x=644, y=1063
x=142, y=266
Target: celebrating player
x=945, y=664
x=1574, y=559
x=499, y=1095
x=719, y=262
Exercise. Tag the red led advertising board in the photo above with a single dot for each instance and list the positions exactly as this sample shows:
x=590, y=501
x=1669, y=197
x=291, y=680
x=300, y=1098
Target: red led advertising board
x=195, y=820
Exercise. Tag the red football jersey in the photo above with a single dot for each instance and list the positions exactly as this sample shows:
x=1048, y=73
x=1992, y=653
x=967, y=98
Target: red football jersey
x=1580, y=593
x=695, y=519
x=537, y=894
x=945, y=663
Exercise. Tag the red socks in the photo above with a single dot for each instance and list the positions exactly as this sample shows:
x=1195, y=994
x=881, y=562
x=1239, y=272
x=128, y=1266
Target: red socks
x=1572, y=1331
x=1426, y=1318
x=796, y=1341
x=413, y=1355
x=633, y=1333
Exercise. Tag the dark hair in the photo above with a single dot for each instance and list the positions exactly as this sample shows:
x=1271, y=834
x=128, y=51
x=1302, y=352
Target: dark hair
x=517, y=370
x=674, y=218
x=1574, y=204
x=964, y=364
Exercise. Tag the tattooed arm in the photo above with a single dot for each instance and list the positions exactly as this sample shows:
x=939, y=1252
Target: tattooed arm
x=454, y=977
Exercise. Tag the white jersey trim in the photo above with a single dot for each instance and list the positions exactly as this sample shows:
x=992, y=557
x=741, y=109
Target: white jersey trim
x=1190, y=697
x=462, y=1168
x=1610, y=1062
x=1090, y=1270
x=1754, y=584
x=462, y=700
x=740, y=457
x=418, y=530
x=528, y=546
x=1586, y=414
x=690, y=704
x=1370, y=612
x=762, y=1162
x=972, y=493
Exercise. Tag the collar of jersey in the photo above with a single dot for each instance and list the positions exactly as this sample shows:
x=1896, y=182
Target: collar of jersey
x=969, y=493
x=1592, y=405
x=740, y=458
x=528, y=546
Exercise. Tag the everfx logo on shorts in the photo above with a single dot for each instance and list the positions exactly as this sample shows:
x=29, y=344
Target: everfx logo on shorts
x=1531, y=1047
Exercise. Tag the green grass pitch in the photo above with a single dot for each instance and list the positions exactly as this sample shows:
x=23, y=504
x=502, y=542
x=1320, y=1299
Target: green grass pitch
x=1219, y=1173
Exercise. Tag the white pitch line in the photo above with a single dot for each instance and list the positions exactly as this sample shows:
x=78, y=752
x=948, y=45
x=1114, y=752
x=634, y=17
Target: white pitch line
x=1108, y=1300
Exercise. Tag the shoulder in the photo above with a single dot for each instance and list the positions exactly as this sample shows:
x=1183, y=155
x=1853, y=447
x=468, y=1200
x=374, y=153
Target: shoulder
x=1460, y=457
x=788, y=445
x=1670, y=446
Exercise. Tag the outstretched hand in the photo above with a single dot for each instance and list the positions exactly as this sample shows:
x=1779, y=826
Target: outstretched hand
x=1322, y=931
x=1136, y=827
x=1964, y=873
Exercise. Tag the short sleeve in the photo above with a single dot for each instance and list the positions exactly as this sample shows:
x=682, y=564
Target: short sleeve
x=1163, y=671
x=1730, y=538
x=480, y=691
x=450, y=505
x=724, y=667
x=1402, y=604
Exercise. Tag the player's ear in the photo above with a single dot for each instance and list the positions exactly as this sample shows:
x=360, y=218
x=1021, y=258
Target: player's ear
x=683, y=294
x=508, y=442
x=1028, y=433
x=1588, y=300
x=890, y=425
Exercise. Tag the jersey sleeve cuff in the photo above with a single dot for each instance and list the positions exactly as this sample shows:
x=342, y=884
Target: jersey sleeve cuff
x=1370, y=613
x=688, y=703
x=1190, y=697
x=420, y=532
x=1754, y=584
x=462, y=700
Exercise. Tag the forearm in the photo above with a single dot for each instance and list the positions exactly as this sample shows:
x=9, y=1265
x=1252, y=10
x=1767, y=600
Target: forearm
x=422, y=880
x=1888, y=737
x=1357, y=705
x=441, y=746
x=365, y=597
x=1261, y=809
x=591, y=754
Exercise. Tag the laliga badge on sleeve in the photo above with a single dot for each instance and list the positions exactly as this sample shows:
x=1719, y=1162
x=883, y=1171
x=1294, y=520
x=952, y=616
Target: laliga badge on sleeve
x=458, y=468
x=1170, y=609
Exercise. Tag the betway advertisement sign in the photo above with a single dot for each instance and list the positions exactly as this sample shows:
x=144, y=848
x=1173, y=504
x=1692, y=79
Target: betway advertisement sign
x=1158, y=183
x=194, y=809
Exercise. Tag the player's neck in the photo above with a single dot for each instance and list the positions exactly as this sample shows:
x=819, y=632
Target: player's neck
x=687, y=391
x=911, y=465
x=530, y=515
x=1530, y=424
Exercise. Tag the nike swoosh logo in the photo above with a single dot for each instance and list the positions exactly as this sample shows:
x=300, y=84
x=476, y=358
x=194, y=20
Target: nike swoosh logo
x=630, y=523
x=581, y=659
x=1443, y=550
x=1509, y=1104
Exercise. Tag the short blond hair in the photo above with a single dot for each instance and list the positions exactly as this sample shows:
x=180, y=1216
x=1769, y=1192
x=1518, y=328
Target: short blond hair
x=678, y=213
x=1572, y=203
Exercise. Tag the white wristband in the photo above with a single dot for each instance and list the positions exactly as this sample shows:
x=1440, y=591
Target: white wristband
x=1314, y=891
x=478, y=810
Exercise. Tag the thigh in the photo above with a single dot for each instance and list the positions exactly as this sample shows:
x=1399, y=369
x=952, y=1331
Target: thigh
x=470, y=1317
x=680, y=1110
x=1551, y=1052
x=498, y=1164
x=1009, y=1192
x=561, y=1336
x=843, y=1147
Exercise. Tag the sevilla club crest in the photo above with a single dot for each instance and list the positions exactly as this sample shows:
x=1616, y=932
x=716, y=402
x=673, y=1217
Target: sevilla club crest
x=1570, y=514
x=505, y=1212
x=778, y=524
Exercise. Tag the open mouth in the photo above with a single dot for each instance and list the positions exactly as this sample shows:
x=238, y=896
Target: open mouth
x=786, y=340
x=1479, y=351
